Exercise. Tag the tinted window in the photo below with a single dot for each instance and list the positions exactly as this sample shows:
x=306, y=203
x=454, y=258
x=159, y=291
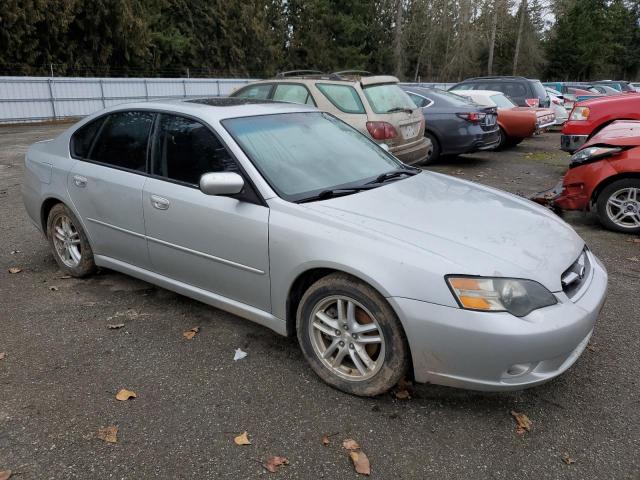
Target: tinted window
x=303, y=153
x=123, y=140
x=344, y=97
x=83, y=138
x=510, y=89
x=184, y=149
x=293, y=93
x=387, y=98
x=260, y=92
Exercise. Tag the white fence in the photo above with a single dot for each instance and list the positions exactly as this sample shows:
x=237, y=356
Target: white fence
x=31, y=99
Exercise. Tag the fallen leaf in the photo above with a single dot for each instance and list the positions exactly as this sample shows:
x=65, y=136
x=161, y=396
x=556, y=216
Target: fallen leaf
x=239, y=355
x=125, y=394
x=325, y=438
x=5, y=474
x=274, y=462
x=242, y=439
x=115, y=326
x=403, y=395
x=567, y=459
x=14, y=270
x=634, y=240
x=189, y=334
x=13, y=252
x=2, y=355
x=65, y=277
x=108, y=434
x=523, y=424
x=633, y=259
x=593, y=348
x=350, y=444
x=361, y=463
x=53, y=288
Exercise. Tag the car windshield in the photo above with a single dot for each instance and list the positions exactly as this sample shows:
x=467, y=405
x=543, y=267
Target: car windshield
x=388, y=98
x=502, y=101
x=303, y=154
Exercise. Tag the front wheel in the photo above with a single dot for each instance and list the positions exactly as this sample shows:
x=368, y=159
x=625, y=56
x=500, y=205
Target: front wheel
x=351, y=337
x=618, y=206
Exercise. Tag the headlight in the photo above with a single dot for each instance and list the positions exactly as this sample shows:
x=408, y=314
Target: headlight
x=580, y=113
x=592, y=154
x=518, y=297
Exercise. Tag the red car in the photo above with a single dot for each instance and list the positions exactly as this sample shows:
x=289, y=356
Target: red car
x=604, y=175
x=588, y=117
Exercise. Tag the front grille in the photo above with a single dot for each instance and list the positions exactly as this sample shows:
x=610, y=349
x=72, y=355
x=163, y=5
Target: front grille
x=574, y=277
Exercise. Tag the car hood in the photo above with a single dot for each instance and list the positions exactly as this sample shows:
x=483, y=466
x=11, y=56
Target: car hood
x=462, y=227
x=622, y=133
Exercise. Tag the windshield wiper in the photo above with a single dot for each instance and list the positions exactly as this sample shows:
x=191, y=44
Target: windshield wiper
x=395, y=173
x=337, y=192
x=399, y=109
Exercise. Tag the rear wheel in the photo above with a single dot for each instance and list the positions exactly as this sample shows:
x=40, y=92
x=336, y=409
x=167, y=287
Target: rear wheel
x=434, y=155
x=351, y=337
x=69, y=243
x=618, y=206
x=504, y=139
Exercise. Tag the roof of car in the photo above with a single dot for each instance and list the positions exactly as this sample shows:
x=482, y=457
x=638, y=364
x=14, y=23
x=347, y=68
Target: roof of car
x=499, y=77
x=487, y=93
x=214, y=108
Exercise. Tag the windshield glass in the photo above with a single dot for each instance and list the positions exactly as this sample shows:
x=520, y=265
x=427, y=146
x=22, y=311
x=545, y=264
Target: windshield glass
x=502, y=101
x=302, y=154
x=383, y=98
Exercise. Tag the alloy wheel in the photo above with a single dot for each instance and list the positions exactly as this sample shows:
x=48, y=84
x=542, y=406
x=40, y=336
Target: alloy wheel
x=623, y=207
x=66, y=240
x=347, y=338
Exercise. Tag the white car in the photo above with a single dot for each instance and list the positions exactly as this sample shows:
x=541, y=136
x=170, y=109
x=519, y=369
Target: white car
x=558, y=106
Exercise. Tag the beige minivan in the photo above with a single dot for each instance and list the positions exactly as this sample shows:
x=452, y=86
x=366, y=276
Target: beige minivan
x=373, y=104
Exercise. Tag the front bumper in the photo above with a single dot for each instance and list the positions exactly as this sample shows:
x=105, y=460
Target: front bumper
x=413, y=153
x=570, y=143
x=477, y=350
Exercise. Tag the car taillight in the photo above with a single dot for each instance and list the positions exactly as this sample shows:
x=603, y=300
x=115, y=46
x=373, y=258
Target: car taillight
x=473, y=117
x=533, y=102
x=381, y=130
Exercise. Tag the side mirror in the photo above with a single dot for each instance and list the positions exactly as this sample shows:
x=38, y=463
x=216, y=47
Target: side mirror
x=221, y=183
x=384, y=146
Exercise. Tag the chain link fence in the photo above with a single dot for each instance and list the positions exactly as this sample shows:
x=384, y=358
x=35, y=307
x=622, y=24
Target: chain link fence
x=37, y=99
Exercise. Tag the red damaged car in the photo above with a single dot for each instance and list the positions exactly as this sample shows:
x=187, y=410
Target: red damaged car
x=604, y=175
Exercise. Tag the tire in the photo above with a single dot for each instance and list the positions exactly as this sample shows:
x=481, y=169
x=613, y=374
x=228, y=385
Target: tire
x=69, y=244
x=513, y=141
x=343, y=335
x=620, y=197
x=435, y=149
x=504, y=140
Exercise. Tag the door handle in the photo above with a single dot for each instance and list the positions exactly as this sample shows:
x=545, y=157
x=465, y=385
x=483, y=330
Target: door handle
x=159, y=202
x=80, y=181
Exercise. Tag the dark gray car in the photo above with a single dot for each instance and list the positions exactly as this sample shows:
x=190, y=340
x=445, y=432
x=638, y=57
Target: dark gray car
x=454, y=124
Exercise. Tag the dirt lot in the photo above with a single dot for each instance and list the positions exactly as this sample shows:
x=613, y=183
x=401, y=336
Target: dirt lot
x=63, y=367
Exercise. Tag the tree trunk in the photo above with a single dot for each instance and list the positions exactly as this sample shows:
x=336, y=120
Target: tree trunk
x=397, y=41
x=492, y=43
x=523, y=12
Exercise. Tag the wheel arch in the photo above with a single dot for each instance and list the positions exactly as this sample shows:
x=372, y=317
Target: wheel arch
x=45, y=208
x=608, y=181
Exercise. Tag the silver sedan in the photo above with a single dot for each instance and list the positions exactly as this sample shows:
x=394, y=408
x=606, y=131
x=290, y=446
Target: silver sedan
x=288, y=217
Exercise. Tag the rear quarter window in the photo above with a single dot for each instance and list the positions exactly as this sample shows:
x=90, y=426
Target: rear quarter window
x=260, y=92
x=343, y=97
x=83, y=138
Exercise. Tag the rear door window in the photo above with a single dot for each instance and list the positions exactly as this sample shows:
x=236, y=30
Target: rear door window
x=259, y=92
x=343, y=97
x=185, y=149
x=123, y=139
x=419, y=101
x=286, y=92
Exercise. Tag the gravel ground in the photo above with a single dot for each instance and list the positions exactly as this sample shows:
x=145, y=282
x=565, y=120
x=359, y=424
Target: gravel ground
x=63, y=367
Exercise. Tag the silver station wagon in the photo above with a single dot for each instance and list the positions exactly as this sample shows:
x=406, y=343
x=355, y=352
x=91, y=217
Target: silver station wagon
x=287, y=216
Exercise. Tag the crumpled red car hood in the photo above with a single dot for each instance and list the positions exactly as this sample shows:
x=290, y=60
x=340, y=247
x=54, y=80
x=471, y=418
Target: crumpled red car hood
x=623, y=133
